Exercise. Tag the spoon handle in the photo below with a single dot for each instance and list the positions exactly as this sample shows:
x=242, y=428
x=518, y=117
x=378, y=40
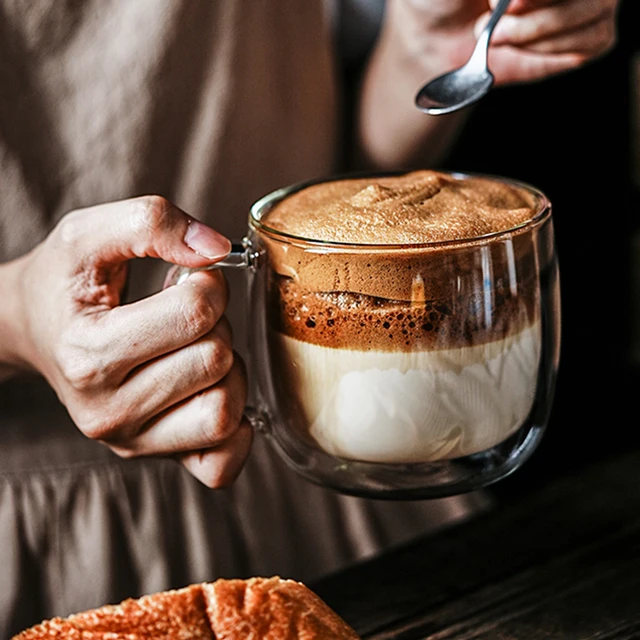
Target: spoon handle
x=501, y=7
x=479, y=56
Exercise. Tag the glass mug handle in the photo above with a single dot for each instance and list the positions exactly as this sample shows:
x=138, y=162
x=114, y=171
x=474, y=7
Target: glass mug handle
x=243, y=255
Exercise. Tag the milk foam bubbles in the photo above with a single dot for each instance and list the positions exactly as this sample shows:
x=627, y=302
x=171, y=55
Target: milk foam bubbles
x=398, y=407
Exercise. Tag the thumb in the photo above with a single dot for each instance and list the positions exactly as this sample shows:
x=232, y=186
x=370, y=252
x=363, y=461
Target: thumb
x=149, y=226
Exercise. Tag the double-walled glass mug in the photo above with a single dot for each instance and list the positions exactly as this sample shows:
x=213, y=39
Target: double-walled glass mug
x=402, y=371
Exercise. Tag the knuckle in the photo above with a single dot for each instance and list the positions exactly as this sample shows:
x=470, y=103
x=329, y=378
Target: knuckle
x=84, y=358
x=608, y=36
x=216, y=360
x=101, y=425
x=218, y=418
x=152, y=213
x=69, y=228
x=213, y=289
x=81, y=372
x=605, y=33
x=220, y=414
x=198, y=316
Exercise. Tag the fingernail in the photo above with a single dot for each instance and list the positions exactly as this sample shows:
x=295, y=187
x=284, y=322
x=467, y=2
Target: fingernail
x=205, y=241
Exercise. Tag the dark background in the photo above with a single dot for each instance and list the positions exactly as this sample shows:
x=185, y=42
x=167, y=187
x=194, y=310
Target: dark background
x=574, y=137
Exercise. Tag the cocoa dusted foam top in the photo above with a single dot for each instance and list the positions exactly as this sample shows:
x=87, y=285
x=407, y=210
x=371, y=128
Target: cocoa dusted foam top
x=415, y=208
x=409, y=211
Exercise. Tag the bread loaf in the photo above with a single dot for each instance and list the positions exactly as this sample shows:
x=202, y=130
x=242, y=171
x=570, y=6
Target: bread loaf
x=253, y=609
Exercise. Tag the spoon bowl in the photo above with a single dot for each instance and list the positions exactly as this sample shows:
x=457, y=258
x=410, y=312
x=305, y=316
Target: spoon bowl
x=453, y=91
x=463, y=86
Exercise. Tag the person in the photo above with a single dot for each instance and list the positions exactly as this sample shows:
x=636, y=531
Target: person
x=138, y=134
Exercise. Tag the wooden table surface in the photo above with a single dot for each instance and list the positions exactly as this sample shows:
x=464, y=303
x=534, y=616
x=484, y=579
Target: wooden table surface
x=562, y=561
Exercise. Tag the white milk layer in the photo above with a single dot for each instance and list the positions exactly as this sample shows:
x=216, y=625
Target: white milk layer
x=415, y=407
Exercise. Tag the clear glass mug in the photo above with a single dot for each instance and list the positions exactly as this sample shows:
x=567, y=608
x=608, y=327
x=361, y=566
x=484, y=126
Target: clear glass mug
x=402, y=372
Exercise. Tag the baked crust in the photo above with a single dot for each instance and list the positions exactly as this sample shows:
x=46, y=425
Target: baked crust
x=253, y=609
x=271, y=609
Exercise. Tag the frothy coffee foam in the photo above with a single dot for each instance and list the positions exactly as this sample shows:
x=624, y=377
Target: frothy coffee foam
x=415, y=208
x=418, y=208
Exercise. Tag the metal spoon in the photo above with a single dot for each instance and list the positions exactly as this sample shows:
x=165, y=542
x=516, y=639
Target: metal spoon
x=461, y=87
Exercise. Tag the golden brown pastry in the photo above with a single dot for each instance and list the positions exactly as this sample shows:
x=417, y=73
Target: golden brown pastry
x=253, y=609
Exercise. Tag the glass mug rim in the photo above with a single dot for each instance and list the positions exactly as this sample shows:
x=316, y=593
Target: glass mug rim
x=261, y=207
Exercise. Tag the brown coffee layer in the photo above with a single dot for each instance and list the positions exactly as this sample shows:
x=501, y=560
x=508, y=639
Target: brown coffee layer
x=354, y=321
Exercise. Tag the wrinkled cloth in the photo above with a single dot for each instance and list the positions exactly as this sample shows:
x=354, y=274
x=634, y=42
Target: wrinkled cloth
x=212, y=105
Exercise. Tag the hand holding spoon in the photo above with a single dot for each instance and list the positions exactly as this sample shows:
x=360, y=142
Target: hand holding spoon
x=461, y=87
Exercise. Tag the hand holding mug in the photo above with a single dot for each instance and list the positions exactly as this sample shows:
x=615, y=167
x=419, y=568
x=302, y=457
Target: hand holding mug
x=154, y=377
